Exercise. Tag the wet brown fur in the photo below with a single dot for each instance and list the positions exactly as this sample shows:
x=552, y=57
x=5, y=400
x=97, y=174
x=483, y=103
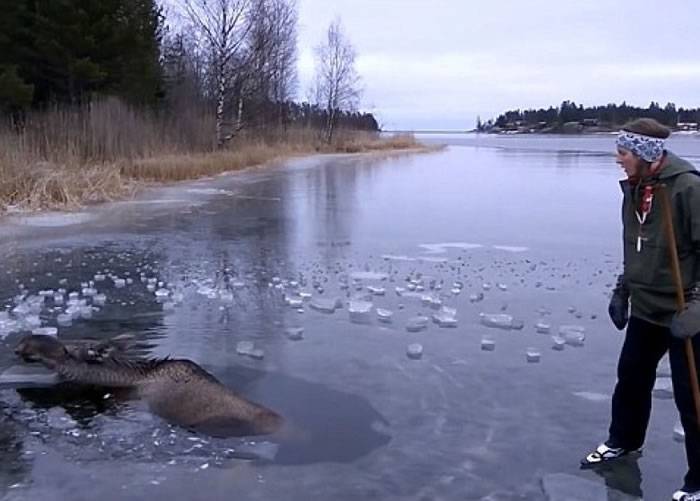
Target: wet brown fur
x=178, y=390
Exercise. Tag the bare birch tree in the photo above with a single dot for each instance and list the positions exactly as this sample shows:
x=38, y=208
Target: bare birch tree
x=337, y=82
x=224, y=25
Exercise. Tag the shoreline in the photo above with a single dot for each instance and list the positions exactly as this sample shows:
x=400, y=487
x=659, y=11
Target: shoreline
x=44, y=186
x=132, y=187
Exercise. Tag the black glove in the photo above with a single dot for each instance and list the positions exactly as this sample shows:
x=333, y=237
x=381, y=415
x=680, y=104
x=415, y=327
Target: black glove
x=686, y=323
x=618, y=309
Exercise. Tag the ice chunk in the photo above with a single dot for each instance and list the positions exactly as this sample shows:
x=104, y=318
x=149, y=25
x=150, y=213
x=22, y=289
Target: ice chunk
x=376, y=291
x=45, y=331
x=486, y=286
x=257, y=354
x=162, y=293
x=384, y=315
x=360, y=311
x=99, y=299
x=488, y=344
x=305, y=295
x=245, y=347
x=26, y=376
x=498, y=320
x=417, y=323
x=414, y=351
x=444, y=320
x=368, y=275
x=120, y=282
x=542, y=327
x=663, y=388
x=502, y=287
x=294, y=333
x=475, y=298
x=64, y=319
x=573, y=334
x=532, y=356
x=325, y=305
x=678, y=432
x=558, y=343
x=294, y=302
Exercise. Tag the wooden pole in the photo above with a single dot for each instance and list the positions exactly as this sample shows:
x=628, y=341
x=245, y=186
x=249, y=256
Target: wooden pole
x=680, y=294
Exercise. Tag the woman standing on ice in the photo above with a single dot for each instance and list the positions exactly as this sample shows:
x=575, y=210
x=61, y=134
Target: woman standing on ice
x=647, y=283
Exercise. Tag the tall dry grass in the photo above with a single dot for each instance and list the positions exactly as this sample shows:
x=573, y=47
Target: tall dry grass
x=71, y=157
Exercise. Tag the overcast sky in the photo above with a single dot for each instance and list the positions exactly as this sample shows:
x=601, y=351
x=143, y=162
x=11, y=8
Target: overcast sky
x=432, y=64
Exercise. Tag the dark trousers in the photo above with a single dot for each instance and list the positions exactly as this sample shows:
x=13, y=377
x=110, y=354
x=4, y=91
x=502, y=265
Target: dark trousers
x=645, y=344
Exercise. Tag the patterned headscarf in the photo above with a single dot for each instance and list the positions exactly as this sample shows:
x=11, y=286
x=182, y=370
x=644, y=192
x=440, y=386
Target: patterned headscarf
x=647, y=148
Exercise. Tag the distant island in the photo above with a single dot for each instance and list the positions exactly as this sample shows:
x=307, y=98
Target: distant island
x=570, y=118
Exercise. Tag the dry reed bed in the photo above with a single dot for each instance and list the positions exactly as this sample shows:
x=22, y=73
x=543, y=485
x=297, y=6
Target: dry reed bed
x=66, y=159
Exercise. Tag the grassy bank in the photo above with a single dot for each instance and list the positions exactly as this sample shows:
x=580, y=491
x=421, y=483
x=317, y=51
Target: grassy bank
x=69, y=158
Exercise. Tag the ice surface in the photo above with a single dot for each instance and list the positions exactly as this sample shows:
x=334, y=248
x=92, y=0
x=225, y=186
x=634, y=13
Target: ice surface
x=565, y=487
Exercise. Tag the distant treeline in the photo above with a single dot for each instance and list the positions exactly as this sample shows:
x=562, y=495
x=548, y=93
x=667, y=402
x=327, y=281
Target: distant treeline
x=70, y=53
x=608, y=116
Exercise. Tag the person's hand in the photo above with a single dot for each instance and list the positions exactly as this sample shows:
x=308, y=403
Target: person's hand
x=686, y=323
x=618, y=309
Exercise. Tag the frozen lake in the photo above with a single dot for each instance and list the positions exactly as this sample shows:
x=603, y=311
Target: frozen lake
x=362, y=257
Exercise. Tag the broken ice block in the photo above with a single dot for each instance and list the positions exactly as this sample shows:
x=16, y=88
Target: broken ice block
x=384, y=315
x=517, y=324
x=414, y=351
x=325, y=305
x=294, y=333
x=444, y=320
x=417, y=323
x=502, y=287
x=532, y=356
x=678, y=432
x=64, y=319
x=475, y=298
x=498, y=320
x=257, y=354
x=663, y=388
x=25, y=376
x=377, y=291
x=244, y=347
x=45, y=331
x=542, y=328
x=360, y=311
x=573, y=334
x=558, y=343
x=488, y=344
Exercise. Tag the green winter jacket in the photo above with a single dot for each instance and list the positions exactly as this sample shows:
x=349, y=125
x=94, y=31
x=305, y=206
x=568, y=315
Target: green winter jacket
x=647, y=273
